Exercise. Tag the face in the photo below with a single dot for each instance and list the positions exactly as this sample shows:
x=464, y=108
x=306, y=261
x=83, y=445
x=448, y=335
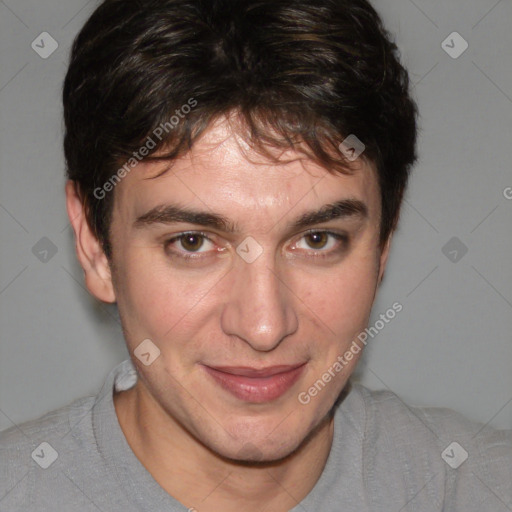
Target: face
x=249, y=283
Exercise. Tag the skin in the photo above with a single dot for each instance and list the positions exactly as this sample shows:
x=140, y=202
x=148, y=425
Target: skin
x=208, y=449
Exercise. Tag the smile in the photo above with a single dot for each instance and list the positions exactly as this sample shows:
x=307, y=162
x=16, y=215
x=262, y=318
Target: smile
x=256, y=385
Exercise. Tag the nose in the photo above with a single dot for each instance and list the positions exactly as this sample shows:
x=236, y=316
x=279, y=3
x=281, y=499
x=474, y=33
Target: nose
x=259, y=307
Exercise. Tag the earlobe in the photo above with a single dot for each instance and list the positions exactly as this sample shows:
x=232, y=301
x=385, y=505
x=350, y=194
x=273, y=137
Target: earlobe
x=95, y=264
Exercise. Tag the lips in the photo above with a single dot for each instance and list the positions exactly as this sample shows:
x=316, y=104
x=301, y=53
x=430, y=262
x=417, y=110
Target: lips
x=256, y=385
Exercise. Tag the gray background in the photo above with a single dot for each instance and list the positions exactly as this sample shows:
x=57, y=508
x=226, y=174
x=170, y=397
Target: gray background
x=452, y=343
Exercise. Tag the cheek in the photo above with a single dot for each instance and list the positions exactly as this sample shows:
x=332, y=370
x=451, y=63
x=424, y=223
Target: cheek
x=149, y=300
x=158, y=301
x=340, y=302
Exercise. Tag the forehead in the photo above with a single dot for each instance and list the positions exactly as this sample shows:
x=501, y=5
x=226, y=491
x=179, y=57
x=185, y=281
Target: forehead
x=223, y=174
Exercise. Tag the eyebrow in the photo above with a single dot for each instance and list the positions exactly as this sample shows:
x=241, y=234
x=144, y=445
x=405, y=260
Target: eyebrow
x=169, y=214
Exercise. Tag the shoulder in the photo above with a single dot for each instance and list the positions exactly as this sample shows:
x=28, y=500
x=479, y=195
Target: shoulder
x=36, y=445
x=56, y=462
x=432, y=425
x=468, y=461
x=55, y=423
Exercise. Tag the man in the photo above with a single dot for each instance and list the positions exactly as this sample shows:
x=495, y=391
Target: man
x=236, y=170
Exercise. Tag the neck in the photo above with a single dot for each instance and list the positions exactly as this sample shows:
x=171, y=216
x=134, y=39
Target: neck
x=202, y=479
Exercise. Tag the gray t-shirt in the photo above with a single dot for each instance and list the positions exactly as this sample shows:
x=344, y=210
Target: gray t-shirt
x=385, y=456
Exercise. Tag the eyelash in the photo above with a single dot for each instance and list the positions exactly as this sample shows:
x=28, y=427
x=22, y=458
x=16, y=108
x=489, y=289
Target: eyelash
x=343, y=240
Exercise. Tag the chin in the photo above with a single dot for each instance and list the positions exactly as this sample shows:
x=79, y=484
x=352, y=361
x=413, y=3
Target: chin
x=268, y=445
x=260, y=453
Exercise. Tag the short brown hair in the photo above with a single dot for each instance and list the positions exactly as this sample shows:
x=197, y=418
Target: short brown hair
x=297, y=71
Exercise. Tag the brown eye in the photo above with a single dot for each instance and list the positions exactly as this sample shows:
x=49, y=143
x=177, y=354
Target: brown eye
x=191, y=241
x=322, y=243
x=317, y=240
x=189, y=245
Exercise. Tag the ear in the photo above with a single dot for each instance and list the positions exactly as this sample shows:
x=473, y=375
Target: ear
x=383, y=258
x=98, y=277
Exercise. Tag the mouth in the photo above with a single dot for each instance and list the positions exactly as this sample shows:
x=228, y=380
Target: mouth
x=256, y=385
